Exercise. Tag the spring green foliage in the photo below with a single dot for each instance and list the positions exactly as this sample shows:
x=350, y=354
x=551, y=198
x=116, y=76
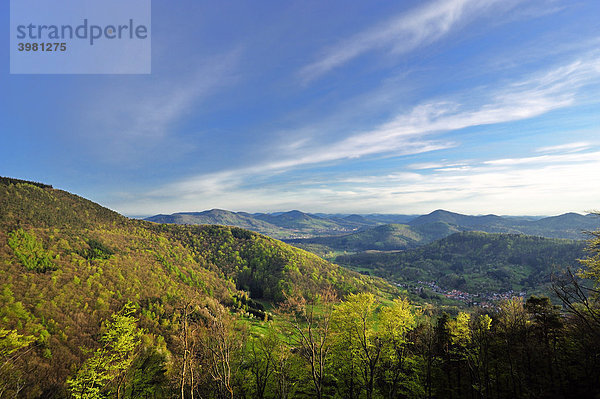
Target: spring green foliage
x=30, y=251
x=11, y=342
x=355, y=321
x=399, y=365
x=29, y=204
x=109, y=362
x=373, y=349
x=592, y=262
x=12, y=346
x=266, y=268
x=8, y=180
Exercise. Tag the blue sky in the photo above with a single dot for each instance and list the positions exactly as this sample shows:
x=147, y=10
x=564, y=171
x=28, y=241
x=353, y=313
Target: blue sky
x=475, y=106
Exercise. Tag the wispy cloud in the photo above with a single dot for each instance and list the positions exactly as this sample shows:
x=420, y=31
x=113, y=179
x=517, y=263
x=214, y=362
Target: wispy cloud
x=405, y=133
x=415, y=132
x=577, y=146
x=436, y=165
x=546, y=159
x=410, y=30
x=534, y=185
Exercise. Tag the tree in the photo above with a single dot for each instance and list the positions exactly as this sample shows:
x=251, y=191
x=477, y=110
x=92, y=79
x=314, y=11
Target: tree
x=263, y=353
x=478, y=354
x=460, y=339
x=591, y=264
x=221, y=342
x=400, y=375
x=443, y=343
x=580, y=293
x=108, y=363
x=309, y=329
x=30, y=251
x=579, y=298
x=354, y=321
x=425, y=346
x=148, y=374
x=512, y=333
x=547, y=325
x=12, y=347
x=188, y=329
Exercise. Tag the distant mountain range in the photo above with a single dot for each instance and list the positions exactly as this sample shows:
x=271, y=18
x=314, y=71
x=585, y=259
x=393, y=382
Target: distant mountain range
x=568, y=225
x=282, y=225
x=341, y=232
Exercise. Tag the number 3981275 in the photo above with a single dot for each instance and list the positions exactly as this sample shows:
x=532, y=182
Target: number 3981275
x=42, y=47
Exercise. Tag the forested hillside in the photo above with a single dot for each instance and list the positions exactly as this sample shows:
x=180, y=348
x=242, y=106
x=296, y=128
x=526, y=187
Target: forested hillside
x=387, y=237
x=439, y=224
x=476, y=262
x=221, y=217
x=67, y=264
x=567, y=226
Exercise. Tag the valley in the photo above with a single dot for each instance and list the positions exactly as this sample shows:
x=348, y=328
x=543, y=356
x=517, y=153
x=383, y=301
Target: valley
x=478, y=255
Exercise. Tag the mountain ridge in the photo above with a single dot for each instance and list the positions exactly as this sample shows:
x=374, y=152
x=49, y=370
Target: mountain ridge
x=298, y=225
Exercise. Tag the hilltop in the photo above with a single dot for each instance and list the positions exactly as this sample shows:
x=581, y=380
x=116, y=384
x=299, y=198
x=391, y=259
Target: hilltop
x=219, y=217
x=568, y=226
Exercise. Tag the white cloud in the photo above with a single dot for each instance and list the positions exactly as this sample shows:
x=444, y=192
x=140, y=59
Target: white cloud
x=410, y=30
x=559, y=184
x=547, y=159
x=577, y=146
x=435, y=165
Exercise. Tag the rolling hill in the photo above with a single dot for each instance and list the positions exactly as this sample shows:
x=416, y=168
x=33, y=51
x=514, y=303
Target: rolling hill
x=388, y=237
x=284, y=225
x=220, y=217
x=475, y=262
x=566, y=226
x=329, y=233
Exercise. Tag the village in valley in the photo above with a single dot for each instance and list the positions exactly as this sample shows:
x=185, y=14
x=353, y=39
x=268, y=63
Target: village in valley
x=483, y=300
